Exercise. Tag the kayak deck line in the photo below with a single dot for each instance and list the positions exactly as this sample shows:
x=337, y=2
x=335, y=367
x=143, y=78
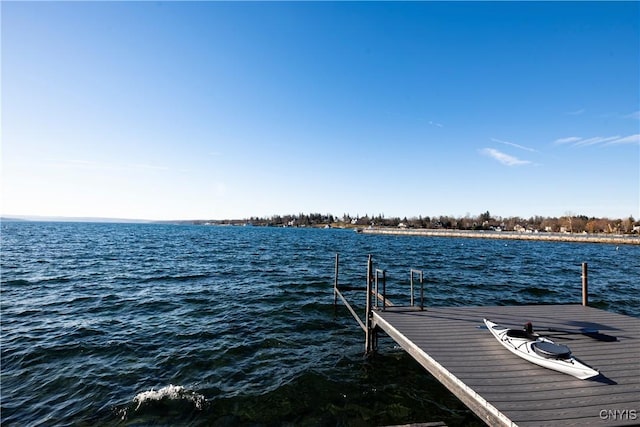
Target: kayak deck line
x=504, y=389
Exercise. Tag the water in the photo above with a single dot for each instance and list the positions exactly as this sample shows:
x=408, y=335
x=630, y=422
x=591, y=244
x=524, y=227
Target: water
x=122, y=324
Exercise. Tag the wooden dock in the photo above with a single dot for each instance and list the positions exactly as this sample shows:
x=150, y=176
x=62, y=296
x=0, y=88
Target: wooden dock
x=503, y=389
x=500, y=387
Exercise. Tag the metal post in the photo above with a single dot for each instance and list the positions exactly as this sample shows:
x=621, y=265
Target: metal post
x=335, y=287
x=376, y=290
x=374, y=330
x=421, y=290
x=411, y=283
x=368, y=343
x=585, y=285
x=421, y=277
x=384, y=290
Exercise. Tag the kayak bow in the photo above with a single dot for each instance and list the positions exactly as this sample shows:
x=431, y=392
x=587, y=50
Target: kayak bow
x=540, y=350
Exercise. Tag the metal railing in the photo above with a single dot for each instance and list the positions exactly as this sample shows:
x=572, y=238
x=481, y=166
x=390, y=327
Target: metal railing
x=375, y=279
x=420, y=275
x=337, y=292
x=380, y=274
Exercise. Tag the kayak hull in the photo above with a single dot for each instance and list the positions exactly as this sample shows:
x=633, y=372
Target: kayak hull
x=541, y=351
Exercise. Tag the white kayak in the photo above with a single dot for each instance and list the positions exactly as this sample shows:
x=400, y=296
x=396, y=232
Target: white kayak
x=540, y=350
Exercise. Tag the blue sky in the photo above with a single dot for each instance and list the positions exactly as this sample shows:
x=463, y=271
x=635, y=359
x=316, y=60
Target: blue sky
x=218, y=110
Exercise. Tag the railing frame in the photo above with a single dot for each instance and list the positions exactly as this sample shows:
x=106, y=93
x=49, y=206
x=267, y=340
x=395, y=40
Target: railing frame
x=420, y=275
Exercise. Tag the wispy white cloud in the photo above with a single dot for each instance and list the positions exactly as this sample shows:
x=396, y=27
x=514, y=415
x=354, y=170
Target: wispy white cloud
x=512, y=144
x=617, y=115
x=596, y=140
x=568, y=140
x=634, y=115
x=432, y=123
x=576, y=112
x=95, y=165
x=80, y=164
x=145, y=166
x=631, y=139
x=576, y=141
x=504, y=158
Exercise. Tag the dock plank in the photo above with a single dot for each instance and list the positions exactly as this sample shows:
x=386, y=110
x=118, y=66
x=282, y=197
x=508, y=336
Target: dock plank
x=502, y=388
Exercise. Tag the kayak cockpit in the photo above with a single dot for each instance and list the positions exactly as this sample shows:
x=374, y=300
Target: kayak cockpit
x=551, y=350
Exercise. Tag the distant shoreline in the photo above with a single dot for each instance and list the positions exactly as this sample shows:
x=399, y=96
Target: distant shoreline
x=508, y=235
x=616, y=239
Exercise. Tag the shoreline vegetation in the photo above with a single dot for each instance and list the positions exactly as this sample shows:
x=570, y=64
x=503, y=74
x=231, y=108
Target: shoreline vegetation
x=569, y=228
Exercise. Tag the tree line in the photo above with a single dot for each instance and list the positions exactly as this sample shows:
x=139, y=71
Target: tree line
x=569, y=223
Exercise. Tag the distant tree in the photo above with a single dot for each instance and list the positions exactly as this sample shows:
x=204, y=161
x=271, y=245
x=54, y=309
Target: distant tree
x=446, y=222
x=628, y=224
x=364, y=220
x=571, y=223
x=418, y=222
x=550, y=224
x=535, y=222
x=512, y=222
x=274, y=220
x=618, y=226
x=579, y=224
x=485, y=217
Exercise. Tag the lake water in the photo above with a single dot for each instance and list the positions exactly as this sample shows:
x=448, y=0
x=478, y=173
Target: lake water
x=139, y=324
